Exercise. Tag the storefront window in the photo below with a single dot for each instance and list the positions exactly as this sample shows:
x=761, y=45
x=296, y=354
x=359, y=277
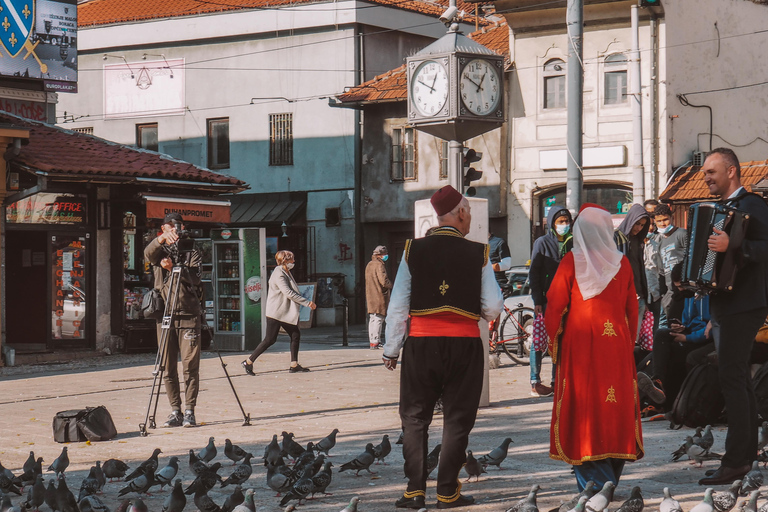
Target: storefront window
x=68, y=279
x=615, y=200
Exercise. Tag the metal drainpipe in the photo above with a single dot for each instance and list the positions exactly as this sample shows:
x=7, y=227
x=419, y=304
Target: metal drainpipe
x=654, y=164
x=358, y=193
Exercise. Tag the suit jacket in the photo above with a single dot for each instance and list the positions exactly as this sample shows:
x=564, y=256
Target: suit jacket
x=750, y=288
x=283, y=298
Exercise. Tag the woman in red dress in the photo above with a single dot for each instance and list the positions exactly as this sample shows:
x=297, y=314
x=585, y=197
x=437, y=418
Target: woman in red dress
x=591, y=319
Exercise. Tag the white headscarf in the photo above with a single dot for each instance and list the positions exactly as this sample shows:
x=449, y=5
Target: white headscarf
x=596, y=258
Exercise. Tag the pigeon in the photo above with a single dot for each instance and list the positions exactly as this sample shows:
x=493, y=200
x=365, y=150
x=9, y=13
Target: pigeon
x=382, y=449
x=65, y=500
x=197, y=466
x=30, y=475
x=204, y=503
x=527, y=504
x=400, y=437
x=763, y=440
x=602, y=499
x=7, y=485
x=114, y=468
x=683, y=449
x=166, y=475
x=322, y=480
x=580, y=505
x=7, y=472
x=89, y=485
x=247, y=505
x=473, y=467
x=697, y=434
x=138, y=506
x=752, y=481
x=277, y=481
x=496, y=456
x=139, y=484
x=36, y=496
x=325, y=444
x=352, y=507
x=318, y=463
x=208, y=453
x=149, y=466
x=750, y=505
x=29, y=464
x=290, y=447
x=60, y=464
x=205, y=482
x=176, y=501
x=99, y=474
x=433, y=458
x=726, y=500
x=123, y=506
x=302, y=487
x=669, y=504
x=698, y=454
x=233, y=452
x=707, y=504
x=50, y=494
x=6, y=505
x=92, y=503
x=233, y=500
x=272, y=451
x=634, y=503
x=241, y=474
x=362, y=461
x=589, y=490
x=707, y=439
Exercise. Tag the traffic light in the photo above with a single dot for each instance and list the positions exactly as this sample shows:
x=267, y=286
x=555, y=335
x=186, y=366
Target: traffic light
x=470, y=173
x=649, y=3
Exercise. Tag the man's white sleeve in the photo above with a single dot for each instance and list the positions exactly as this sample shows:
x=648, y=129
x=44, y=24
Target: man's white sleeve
x=491, y=299
x=505, y=264
x=398, y=311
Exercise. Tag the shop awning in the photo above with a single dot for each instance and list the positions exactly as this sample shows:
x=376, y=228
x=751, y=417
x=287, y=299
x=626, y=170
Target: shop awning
x=191, y=209
x=261, y=209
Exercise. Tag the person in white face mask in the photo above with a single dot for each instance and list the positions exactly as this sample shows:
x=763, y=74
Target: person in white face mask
x=672, y=246
x=283, y=304
x=377, y=289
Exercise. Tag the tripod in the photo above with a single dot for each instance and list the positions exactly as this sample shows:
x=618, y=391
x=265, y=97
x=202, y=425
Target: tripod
x=161, y=360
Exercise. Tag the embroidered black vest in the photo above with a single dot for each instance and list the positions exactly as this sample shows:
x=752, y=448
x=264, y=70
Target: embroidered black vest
x=446, y=273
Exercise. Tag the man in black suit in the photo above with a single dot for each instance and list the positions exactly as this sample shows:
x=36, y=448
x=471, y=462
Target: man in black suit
x=737, y=315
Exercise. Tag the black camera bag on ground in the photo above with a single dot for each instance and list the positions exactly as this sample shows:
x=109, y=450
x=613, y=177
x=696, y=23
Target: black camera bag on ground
x=152, y=304
x=700, y=401
x=89, y=424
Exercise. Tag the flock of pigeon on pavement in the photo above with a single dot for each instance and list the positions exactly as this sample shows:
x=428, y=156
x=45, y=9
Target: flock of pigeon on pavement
x=310, y=474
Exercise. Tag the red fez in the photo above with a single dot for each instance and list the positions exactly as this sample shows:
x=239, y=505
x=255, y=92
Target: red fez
x=591, y=205
x=445, y=200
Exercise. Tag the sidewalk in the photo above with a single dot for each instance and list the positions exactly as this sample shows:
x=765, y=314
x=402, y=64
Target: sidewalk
x=347, y=389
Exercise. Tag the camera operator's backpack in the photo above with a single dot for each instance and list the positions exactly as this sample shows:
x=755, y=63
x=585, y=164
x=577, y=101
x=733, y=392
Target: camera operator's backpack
x=700, y=401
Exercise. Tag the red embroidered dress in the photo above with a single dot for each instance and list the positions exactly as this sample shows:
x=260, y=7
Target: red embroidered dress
x=596, y=414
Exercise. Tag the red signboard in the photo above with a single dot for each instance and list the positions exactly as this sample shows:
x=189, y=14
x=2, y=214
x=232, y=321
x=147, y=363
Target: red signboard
x=200, y=211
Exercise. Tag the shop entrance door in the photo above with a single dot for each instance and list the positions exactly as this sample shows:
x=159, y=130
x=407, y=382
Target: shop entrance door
x=26, y=290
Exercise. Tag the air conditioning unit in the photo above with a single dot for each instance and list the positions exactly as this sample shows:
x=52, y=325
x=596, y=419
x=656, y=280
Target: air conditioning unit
x=698, y=158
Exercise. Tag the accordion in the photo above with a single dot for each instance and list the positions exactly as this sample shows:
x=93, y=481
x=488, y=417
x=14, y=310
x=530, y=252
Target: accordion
x=706, y=271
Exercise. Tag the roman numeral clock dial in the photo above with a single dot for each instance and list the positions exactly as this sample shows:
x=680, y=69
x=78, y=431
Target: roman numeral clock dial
x=480, y=87
x=429, y=88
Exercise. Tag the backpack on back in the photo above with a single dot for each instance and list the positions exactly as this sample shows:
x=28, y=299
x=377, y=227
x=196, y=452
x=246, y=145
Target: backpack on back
x=700, y=401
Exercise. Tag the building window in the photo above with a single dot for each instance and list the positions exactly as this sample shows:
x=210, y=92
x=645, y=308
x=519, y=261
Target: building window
x=444, y=160
x=615, y=79
x=554, y=84
x=280, y=139
x=403, y=154
x=146, y=136
x=87, y=131
x=218, y=143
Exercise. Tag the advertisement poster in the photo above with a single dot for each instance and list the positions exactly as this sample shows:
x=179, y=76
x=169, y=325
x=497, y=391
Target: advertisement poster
x=255, y=284
x=68, y=280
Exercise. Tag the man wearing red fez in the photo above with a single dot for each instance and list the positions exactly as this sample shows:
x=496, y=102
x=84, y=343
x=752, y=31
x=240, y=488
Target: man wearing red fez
x=445, y=284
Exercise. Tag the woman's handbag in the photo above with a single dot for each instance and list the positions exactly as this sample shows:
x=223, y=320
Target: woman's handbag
x=152, y=304
x=645, y=341
x=539, y=340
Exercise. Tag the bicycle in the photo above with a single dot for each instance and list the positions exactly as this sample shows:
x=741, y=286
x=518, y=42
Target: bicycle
x=513, y=334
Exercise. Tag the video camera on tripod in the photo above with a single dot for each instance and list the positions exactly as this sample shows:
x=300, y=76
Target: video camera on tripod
x=181, y=248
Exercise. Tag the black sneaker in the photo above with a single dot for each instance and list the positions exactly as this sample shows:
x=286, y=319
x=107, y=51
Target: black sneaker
x=189, y=419
x=461, y=501
x=298, y=368
x=174, y=420
x=248, y=367
x=416, y=503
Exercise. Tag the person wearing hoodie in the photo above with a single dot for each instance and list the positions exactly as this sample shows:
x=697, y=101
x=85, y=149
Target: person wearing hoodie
x=630, y=240
x=547, y=252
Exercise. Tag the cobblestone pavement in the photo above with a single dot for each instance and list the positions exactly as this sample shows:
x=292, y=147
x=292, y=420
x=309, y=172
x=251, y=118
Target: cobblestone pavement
x=347, y=389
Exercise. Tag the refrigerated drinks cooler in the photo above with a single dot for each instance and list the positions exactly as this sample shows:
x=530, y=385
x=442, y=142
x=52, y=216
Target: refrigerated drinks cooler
x=239, y=278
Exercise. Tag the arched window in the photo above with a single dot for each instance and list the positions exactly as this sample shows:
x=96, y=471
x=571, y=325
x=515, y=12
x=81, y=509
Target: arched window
x=554, y=84
x=615, y=79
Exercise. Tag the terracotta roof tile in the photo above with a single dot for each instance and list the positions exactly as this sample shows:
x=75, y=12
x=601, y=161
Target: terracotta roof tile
x=59, y=151
x=689, y=186
x=392, y=85
x=104, y=12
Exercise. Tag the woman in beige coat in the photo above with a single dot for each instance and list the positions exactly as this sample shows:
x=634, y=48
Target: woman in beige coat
x=283, y=304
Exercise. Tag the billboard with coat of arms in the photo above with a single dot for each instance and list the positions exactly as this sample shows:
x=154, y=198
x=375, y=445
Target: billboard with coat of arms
x=39, y=40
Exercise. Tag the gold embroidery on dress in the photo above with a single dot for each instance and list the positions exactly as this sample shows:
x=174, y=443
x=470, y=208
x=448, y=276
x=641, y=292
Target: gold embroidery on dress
x=609, y=329
x=611, y=395
x=443, y=288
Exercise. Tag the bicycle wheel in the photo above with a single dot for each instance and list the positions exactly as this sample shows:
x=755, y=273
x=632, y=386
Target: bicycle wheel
x=516, y=331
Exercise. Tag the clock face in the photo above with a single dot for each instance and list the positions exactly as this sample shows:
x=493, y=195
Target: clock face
x=480, y=87
x=429, y=88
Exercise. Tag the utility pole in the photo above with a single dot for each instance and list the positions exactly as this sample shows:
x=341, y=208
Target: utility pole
x=456, y=164
x=574, y=21
x=635, y=96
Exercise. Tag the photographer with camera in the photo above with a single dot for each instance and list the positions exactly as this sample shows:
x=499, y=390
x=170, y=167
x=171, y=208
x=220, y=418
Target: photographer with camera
x=171, y=248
